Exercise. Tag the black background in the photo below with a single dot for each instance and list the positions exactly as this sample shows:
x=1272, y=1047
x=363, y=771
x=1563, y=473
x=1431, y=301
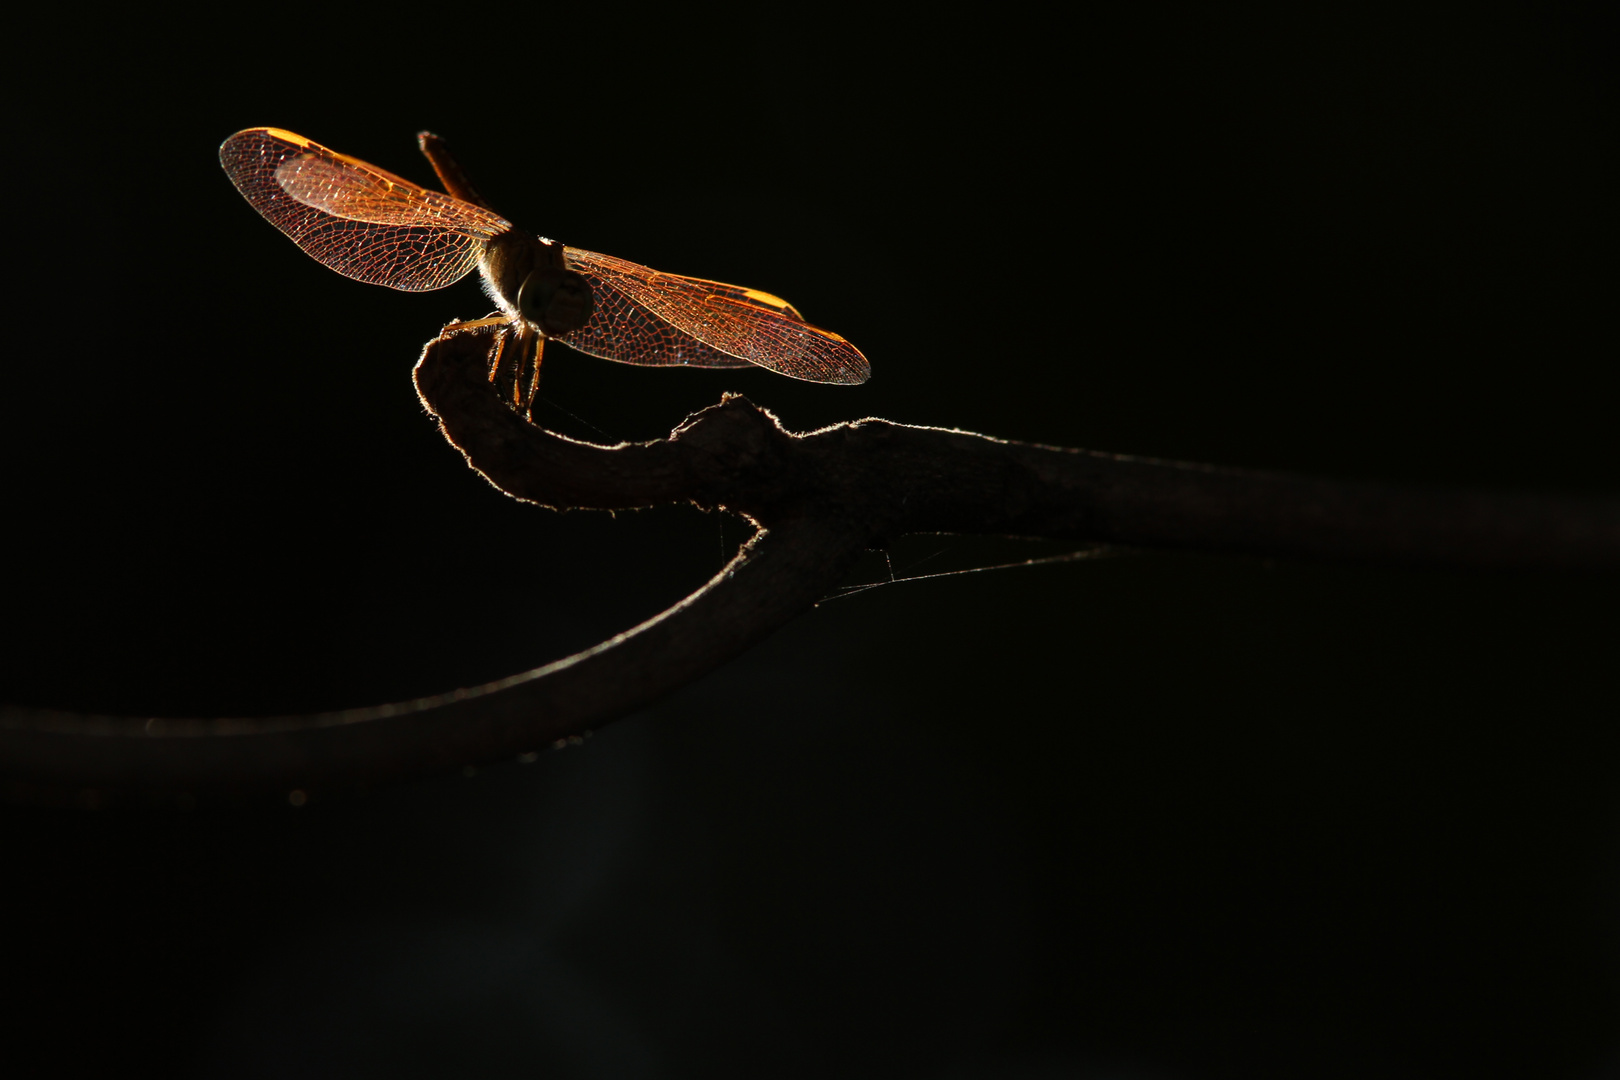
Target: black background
x=1153, y=816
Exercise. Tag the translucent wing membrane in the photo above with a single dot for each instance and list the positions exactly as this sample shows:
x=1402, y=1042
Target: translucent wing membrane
x=373, y=226
x=623, y=330
x=365, y=223
x=646, y=317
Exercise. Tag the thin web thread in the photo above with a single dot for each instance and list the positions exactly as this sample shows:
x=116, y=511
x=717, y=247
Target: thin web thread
x=1098, y=551
x=553, y=405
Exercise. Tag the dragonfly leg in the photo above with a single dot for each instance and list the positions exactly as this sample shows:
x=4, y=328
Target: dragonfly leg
x=519, y=369
x=514, y=359
x=534, y=377
x=473, y=324
x=512, y=364
x=476, y=324
x=495, y=354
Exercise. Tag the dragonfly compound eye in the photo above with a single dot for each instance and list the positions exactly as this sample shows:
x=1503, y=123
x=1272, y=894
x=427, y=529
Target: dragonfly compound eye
x=556, y=301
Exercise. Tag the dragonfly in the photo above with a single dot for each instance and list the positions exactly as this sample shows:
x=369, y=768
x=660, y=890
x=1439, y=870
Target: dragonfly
x=373, y=226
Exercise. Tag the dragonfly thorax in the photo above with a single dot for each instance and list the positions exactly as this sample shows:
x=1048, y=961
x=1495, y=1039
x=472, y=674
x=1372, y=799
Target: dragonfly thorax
x=528, y=277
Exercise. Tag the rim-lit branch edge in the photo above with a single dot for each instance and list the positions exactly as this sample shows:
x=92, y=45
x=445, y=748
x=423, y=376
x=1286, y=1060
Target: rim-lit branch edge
x=819, y=500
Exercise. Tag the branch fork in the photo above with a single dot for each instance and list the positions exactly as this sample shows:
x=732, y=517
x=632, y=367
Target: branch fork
x=818, y=501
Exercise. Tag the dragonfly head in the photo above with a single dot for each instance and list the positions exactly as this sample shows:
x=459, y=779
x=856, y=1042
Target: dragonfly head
x=555, y=300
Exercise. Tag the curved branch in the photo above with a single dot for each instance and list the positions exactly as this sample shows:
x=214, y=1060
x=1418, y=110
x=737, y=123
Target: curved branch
x=889, y=479
x=820, y=500
x=782, y=571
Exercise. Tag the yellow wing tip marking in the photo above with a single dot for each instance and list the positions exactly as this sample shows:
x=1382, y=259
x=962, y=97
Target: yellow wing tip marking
x=285, y=136
x=769, y=300
x=760, y=297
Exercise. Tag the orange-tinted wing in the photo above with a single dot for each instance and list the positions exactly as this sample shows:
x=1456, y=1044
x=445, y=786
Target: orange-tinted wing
x=361, y=221
x=646, y=317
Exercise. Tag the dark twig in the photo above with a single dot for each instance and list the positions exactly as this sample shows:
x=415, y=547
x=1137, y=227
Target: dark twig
x=819, y=501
